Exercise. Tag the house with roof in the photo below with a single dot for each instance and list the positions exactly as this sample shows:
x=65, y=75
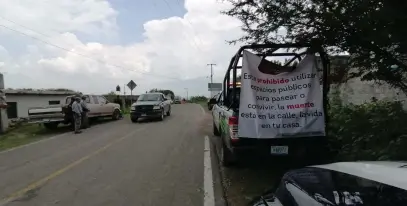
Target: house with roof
x=20, y=100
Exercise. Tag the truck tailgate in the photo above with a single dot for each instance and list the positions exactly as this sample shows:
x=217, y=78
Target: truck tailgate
x=44, y=115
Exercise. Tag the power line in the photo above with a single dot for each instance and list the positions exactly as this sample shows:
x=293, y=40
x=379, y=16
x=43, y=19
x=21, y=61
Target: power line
x=85, y=56
x=25, y=27
x=30, y=29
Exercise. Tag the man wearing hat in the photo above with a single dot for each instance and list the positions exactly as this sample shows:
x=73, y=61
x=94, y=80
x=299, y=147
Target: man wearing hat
x=77, y=114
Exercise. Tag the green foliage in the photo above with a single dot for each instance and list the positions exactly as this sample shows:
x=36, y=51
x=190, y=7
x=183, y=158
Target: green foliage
x=197, y=99
x=165, y=92
x=110, y=96
x=370, y=131
x=372, y=31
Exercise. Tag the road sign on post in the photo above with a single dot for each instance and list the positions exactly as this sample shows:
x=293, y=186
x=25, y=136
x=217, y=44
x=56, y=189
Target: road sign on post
x=131, y=86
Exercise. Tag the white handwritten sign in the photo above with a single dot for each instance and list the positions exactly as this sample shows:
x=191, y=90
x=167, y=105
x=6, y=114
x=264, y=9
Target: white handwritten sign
x=283, y=105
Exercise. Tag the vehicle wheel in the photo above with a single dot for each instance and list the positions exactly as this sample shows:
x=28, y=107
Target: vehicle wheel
x=134, y=120
x=169, y=112
x=227, y=158
x=116, y=114
x=162, y=115
x=51, y=126
x=215, y=130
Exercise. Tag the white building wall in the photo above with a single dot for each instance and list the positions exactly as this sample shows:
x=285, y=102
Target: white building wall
x=24, y=102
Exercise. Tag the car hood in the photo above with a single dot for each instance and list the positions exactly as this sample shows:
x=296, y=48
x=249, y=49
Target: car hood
x=146, y=103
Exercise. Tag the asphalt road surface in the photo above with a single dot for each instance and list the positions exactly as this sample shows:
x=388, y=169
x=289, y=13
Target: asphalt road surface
x=115, y=163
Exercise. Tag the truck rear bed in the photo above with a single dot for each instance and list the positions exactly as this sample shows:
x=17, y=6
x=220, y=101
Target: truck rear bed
x=46, y=114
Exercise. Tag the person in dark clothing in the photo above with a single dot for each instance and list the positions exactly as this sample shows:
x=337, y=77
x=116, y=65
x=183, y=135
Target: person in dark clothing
x=117, y=100
x=85, y=110
x=70, y=113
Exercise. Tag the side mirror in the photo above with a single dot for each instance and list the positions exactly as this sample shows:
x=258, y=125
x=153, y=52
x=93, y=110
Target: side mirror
x=213, y=101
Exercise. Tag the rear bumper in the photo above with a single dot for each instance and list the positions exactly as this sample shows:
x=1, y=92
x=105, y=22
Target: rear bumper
x=297, y=147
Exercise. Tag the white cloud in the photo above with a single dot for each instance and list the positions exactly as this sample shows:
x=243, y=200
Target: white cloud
x=177, y=47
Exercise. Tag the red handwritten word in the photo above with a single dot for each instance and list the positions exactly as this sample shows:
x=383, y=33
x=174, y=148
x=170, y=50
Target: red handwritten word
x=300, y=106
x=272, y=81
x=265, y=81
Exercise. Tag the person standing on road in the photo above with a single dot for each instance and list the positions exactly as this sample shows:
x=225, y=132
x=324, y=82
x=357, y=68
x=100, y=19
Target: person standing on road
x=77, y=111
x=117, y=100
x=85, y=110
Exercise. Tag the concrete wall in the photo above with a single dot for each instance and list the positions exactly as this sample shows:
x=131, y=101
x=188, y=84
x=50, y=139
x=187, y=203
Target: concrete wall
x=24, y=102
x=358, y=92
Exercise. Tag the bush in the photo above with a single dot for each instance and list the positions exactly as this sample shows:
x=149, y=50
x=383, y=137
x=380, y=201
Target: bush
x=370, y=131
x=197, y=99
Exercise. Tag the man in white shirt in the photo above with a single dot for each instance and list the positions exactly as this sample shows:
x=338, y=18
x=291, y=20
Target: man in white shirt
x=77, y=114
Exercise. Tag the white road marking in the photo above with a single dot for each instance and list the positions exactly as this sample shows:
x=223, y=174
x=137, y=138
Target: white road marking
x=202, y=109
x=209, y=197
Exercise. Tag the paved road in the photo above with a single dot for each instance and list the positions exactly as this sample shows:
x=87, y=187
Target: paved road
x=116, y=163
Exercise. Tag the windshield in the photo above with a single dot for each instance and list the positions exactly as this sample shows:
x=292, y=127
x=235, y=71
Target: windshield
x=149, y=97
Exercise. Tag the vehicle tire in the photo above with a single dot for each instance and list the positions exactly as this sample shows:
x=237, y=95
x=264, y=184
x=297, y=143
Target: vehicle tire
x=134, y=120
x=162, y=115
x=226, y=158
x=169, y=112
x=51, y=125
x=215, y=130
x=116, y=114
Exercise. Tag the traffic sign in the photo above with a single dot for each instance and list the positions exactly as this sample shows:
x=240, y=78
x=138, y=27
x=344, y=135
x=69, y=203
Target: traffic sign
x=131, y=85
x=215, y=87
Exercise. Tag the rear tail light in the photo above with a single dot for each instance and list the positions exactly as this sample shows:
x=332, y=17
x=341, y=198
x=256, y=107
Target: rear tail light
x=233, y=123
x=233, y=120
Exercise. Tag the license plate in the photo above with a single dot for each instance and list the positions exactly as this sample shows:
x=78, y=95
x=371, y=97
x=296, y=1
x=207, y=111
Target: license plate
x=143, y=115
x=279, y=150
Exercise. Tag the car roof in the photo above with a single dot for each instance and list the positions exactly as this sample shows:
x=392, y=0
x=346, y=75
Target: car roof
x=387, y=172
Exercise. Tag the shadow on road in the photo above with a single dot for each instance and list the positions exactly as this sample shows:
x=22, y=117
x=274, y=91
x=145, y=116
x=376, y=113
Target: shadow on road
x=250, y=178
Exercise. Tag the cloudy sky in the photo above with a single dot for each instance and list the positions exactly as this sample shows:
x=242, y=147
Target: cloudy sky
x=94, y=45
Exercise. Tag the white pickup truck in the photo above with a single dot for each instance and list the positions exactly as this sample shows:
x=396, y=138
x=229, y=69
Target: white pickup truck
x=52, y=116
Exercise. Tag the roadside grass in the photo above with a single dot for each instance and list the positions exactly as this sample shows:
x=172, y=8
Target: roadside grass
x=24, y=133
x=203, y=104
x=126, y=111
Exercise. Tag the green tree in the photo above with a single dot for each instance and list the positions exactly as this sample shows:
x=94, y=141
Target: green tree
x=198, y=99
x=166, y=92
x=372, y=31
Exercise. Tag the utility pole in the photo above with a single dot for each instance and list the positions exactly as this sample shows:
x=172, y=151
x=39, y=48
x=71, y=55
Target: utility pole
x=211, y=71
x=124, y=96
x=187, y=92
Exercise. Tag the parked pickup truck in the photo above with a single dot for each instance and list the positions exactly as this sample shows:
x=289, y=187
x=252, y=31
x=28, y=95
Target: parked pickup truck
x=305, y=149
x=52, y=116
x=150, y=105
